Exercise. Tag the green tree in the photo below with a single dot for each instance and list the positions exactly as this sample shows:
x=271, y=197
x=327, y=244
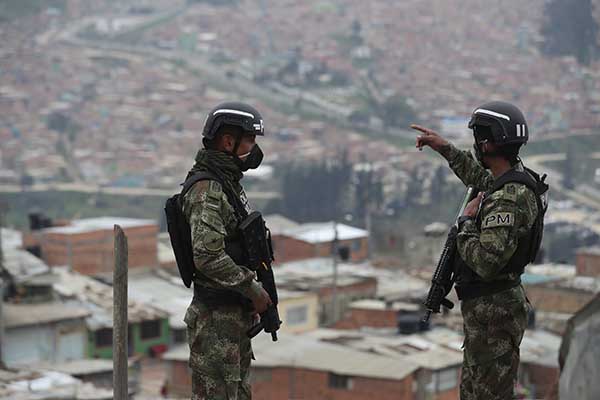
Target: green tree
x=569, y=169
x=570, y=29
x=314, y=192
x=395, y=111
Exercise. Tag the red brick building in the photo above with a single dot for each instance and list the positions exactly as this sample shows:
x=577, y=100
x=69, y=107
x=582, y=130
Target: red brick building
x=316, y=240
x=587, y=262
x=374, y=314
x=316, y=276
x=565, y=296
x=538, y=369
x=87, y=245
x=299, y=367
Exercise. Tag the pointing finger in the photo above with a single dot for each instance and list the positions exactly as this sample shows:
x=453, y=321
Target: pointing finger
x=420, y=128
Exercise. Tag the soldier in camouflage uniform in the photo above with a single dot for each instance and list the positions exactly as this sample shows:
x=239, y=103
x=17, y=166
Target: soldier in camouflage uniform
x=499, y=234
x=217, y=319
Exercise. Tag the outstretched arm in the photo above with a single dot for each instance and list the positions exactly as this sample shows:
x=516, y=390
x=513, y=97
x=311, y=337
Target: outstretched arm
x=462, y=163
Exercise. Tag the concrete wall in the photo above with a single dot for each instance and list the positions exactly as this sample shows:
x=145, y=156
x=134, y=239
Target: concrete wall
x=56, y=342
x=364, y=289
x=311, y=302
x=587, y=263
x=136, y=344
x=559, y=300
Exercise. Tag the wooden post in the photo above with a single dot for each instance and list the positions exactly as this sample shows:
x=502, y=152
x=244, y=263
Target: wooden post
x=120, y=344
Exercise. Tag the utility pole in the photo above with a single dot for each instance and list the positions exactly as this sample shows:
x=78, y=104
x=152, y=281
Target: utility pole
x=334, y=255
x=2, y=276
x=119, y=342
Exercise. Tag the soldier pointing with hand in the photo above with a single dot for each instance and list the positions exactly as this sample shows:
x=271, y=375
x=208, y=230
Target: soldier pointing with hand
x=500, y=232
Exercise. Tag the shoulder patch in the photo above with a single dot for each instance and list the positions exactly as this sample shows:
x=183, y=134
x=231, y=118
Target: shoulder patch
x=498, y=219
x=198, y=191
x=215, y=189
x=509, y=192
x=213, y=242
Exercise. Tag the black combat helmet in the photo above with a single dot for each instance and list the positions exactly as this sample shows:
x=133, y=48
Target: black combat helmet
x=503, y=122
x=234, y=114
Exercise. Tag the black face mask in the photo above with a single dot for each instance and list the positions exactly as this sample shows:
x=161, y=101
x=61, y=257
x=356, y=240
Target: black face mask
x=252, y=160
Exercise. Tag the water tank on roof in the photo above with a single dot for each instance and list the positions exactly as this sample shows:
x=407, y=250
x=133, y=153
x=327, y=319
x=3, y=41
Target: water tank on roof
x=37, y=221
x=411, y=322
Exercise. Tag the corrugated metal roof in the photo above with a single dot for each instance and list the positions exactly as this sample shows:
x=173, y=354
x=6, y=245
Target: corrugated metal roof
x=22, y=265
x=98, y=298
x=317, y=272
x=324, y=232
x=300, y=351
x=11, y=239
x=434, y=350
x=279, y=224
x=101, y=223
x=20, y=315
x=166, y=292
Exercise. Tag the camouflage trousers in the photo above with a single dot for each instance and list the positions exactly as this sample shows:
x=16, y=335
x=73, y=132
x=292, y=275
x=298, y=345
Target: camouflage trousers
x=494, y=326
x=494, y=380
x=220, y=352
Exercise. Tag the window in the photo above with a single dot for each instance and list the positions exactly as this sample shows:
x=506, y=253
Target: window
x=296, y=315
x=150, y=329
x=340, y=381
x=179, y=335
x=356, y=244
x=443, y=380
x=103, y=337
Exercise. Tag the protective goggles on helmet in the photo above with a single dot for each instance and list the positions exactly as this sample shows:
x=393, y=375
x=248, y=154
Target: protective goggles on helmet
x=249, y=123
x=490, y=126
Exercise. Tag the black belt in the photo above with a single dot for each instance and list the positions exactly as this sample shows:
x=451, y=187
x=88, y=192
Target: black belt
x=213, y=298
x=474, y=290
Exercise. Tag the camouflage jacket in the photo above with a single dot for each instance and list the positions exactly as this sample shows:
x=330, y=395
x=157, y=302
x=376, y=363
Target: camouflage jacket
x=211, y=219
x=505, y=216
x=493, y=324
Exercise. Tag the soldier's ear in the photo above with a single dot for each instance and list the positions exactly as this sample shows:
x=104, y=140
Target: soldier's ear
x=489, y=147
x=227, y=142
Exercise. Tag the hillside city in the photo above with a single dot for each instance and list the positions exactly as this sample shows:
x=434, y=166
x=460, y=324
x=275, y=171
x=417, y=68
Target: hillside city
x=102, y=106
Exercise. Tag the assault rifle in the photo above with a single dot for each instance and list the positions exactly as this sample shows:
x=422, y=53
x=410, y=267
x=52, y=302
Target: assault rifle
x=257, y=243
x=443, y=277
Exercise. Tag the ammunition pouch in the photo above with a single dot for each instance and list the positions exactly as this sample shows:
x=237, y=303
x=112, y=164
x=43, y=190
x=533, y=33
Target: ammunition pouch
x=214, y=298
x=479, y=289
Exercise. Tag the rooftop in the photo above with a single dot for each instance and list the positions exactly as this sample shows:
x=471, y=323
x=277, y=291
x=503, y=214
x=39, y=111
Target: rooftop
x=324, y=232
x=166, y=292
x=302, y=351
x=97, y=297
x=96, y=224
x=11, y=239
x=19, y=315
x=278, y=223
x=392, y=285
x=82, y=367
x=379, y=305
x=436, y=349
x=23, y=266
x=47, y=385
x=595, y=250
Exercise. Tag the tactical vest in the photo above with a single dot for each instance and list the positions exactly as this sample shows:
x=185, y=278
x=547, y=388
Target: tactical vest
x=469, y=284
x=180, y=235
